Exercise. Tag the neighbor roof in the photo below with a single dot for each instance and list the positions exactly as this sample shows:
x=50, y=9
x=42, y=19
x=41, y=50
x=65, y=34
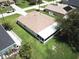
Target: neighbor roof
x=36, y=21
x=74, y=3
x=2, y=0
x=57, y=8
x=5, y=39
x=6, y=0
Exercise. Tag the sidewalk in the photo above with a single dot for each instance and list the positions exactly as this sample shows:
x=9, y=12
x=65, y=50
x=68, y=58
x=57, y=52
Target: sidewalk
x=19, y=10
x=7, y=14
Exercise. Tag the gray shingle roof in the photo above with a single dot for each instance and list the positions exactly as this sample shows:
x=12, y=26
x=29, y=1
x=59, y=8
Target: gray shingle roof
x=74, y=3
x=5, y=39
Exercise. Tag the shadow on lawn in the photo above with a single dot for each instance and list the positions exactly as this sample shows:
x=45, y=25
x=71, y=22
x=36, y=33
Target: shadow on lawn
x=61, y=37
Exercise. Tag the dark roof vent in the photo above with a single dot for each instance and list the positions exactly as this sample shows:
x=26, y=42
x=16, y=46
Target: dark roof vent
x=67, y=8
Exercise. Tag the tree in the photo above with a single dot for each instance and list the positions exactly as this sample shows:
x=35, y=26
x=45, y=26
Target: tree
x=39, y=1
x=25, y=51
x=70, y=30
x=15, y=1
x=32, y=2
x=7, y=25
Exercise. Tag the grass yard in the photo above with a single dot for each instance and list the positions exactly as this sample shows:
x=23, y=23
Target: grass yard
x=23, y=3
x=43, y=6
x=30, y=10
x=55, y=16
x=3, y=10
x=49, y=0
x=39, y=50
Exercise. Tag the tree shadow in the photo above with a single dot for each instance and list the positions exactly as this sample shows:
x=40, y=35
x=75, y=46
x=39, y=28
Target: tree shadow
x=63, y=38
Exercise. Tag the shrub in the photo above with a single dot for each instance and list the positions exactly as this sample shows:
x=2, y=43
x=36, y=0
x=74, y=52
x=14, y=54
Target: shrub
x=26, y=51
x=7, y=26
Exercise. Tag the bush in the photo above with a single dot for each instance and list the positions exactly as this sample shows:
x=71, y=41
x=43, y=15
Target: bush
x=7, y=26
x=26, y=51
x=33, y=2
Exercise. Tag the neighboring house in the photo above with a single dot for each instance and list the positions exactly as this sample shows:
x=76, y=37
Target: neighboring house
x=7, y=44
x=35, y=1
x=59, y=9
x=74, y=3
x=6, y=1
x=39, y=25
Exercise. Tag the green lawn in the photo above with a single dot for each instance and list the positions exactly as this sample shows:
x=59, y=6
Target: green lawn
x=43, y=6
x=42, y=51
x=30, y=10
x=23, y=4
x=49, y=0
x=55, y=16
x=5, y=9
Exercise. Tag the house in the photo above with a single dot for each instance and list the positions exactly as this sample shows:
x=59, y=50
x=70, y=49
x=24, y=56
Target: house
x=39, y=25
x=35, y=1
x=59, y=9
x=74, y=3
x=6, y=1
x=7, y=44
